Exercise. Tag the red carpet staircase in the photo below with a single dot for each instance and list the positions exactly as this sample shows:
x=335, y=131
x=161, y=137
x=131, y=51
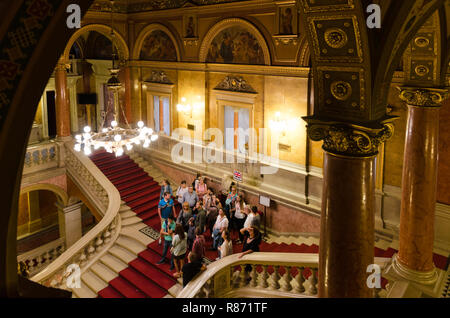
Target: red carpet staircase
x=143, y=278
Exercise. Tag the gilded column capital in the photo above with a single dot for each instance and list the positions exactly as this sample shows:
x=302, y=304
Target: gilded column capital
x=62, y=66
x=347, y=139
x=423, y=97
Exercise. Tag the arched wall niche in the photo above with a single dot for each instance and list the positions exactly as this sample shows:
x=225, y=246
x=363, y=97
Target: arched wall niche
x=124, y=53
x=60, y=193
x=146, y=32
x=228, y=24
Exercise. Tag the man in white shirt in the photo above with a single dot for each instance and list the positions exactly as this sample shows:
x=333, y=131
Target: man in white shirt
x=220, y=225
x=182, y=189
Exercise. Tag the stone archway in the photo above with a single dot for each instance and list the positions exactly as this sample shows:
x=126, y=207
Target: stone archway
x=105, y=30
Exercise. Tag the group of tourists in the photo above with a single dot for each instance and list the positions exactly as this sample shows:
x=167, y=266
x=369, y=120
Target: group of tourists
x=203, y=213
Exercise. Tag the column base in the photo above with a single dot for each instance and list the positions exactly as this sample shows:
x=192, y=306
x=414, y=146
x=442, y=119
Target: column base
x=398, y=271
x=64, y=139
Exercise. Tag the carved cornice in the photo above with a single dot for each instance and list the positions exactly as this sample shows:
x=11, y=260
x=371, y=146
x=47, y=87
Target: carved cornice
x=349, y=140
x=235, y=84
x=423, y=97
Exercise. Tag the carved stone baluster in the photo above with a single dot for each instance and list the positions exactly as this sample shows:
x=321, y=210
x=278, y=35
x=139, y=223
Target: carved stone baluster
x=99, y=243
x=243, y=275
x=274, y=282
x=313, y=282
x=263, y=277
x=300, y=279
x=83, y=257
x=107, y=236
x=31, y=266
x=39, y=261
x=91, y=250
x=254, y=277
x=286, y=286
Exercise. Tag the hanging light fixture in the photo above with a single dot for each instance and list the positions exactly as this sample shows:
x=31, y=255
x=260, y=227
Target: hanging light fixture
x=114, y=139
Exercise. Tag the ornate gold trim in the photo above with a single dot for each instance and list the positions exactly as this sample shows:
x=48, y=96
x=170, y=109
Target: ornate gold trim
x=349, y=140
x=425, y=278
x=423, y=97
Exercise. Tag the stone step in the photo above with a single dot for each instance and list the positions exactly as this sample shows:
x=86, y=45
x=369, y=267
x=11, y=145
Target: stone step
x=121, y=253
x=127, y=214
x=94, y=282
x=104, y=272
x=133, y=232
x=131, y=220
x=124, y=208
x=84, y=291
x=131, y=244
x=113, y=263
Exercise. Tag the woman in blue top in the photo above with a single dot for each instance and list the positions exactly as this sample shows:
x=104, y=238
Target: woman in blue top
x=165, y=188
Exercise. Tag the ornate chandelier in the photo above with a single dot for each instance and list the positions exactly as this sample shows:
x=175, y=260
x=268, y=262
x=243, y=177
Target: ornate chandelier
x=114, y=139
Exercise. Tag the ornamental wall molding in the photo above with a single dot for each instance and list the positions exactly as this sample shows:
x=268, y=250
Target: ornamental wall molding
x=159, y=77
x=235, y=84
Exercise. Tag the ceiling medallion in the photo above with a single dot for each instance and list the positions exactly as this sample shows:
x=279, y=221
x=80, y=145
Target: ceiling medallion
x=421, y=41
x=335, y=38
x=341, y=90
x=421, y=70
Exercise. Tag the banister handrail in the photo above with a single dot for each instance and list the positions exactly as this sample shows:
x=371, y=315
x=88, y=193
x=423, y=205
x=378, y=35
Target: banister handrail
x=84, y=251
x=287, y=260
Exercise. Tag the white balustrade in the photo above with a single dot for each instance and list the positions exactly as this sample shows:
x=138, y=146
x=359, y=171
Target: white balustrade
x=41, y=156
x=248, y=276
x=37, y=259
x=106, y=198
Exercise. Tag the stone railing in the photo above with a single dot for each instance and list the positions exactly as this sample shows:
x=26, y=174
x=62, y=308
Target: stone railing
x=80, y=256
x=42, y=156
x=32, y=262
x=260, y=274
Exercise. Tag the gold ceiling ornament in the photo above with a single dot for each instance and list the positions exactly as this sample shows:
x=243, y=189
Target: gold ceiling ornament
x=421, y=70
x=421, y=41
x=349, y=139
x=341, y=90
x=423, y=97
x=336, y=38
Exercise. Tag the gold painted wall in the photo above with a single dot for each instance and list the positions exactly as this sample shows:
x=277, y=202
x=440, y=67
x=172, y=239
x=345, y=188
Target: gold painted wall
x=288, y=96
x=191, y=86
x=395, y=146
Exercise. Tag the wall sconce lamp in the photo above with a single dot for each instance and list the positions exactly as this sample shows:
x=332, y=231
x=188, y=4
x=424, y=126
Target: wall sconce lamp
x=187, y=109
x=282, y=126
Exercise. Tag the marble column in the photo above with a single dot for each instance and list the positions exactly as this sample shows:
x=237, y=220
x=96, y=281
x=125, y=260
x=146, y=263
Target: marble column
x=125, y=78
x=348, y=206
x=414, y=260
x=70, y=225
x=62, y=102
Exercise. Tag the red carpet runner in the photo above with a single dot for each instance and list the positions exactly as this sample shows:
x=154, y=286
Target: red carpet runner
x=143, y=278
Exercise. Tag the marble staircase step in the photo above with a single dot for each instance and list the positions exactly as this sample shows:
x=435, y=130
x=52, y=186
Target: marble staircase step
x=104, y=272
x=122, y=254
x=84, y=291
x=133, y=232
x=94, y=282
x=131, y=244
x=113, y=263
